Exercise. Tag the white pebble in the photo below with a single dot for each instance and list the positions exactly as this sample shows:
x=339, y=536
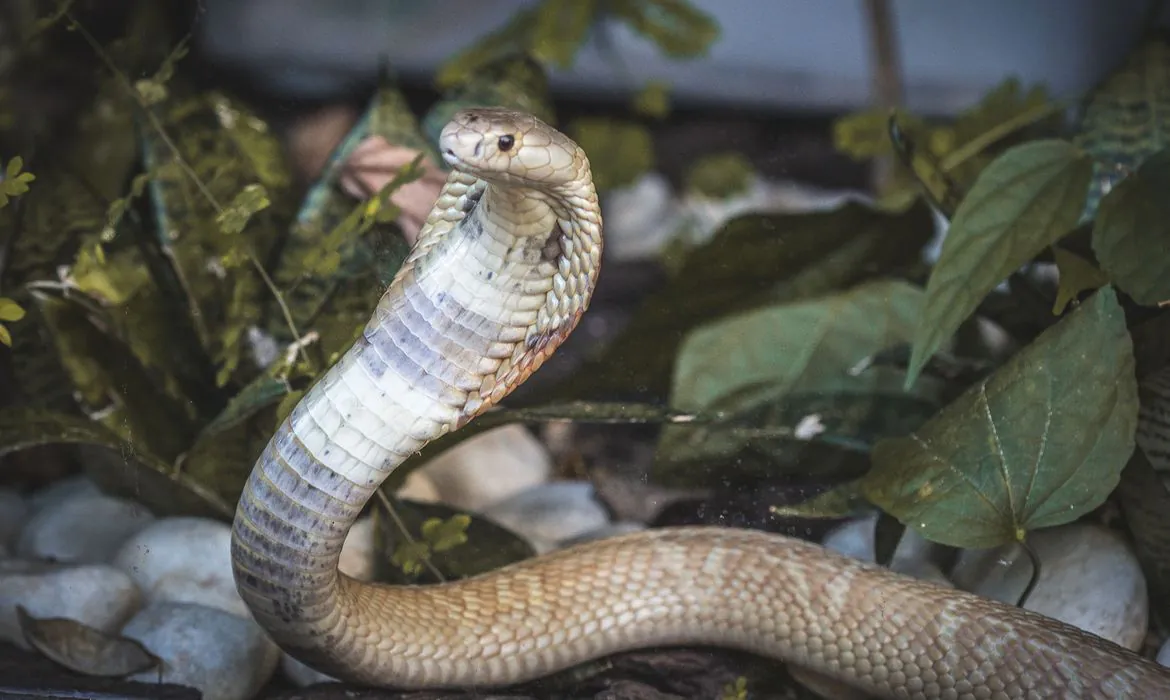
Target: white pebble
x=357, y=552
x=13, y=513
x=911, y=556
x=183, y=559
x=548, y=514
x=1089, y=579
x=61, y=491
x=224, y=656
x=82, y=529
x=301, y=674
x=97, y=595
x=488, y=468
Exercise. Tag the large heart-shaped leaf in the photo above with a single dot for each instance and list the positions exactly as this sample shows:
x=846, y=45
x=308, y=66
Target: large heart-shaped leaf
x=1039, y=443
x=1131, y=236
x=1025, y=200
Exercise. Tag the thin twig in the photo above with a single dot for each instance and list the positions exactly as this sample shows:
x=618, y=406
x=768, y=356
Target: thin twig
x=389, y=508
x=886, y=75
x=1035, y=558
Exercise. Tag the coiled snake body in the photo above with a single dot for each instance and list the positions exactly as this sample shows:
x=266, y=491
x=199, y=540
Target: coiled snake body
x=500, y=275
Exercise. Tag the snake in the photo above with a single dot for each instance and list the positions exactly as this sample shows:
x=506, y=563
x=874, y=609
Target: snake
x=500, y=274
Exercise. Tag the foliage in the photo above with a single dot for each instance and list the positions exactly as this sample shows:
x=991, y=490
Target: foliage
x=553, y=31
x=186, y=298
x=15, y=182
x=1037, y=437
x=720, y=175
x=9, y=311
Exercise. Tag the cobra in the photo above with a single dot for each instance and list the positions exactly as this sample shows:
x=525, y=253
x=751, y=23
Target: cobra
x=500, y=274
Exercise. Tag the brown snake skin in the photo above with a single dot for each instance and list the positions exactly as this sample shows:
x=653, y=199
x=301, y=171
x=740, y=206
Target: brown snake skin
x=502, y=271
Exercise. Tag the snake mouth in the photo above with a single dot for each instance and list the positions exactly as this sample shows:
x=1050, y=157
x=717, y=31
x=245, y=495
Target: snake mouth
x=450, y=158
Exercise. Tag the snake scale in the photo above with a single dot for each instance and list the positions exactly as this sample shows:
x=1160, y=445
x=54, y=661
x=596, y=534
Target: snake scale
x=500, y=274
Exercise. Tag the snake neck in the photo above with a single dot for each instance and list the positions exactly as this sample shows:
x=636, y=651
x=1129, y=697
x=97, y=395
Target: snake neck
x=498, y=278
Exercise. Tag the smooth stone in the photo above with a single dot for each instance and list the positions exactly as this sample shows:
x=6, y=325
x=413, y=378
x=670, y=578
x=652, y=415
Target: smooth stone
x=855, y=539
x=604, y=532
x=61, y=491
x=224, y=656
x=489, y=468
x=1089, y=578
x=911, y=557
x=82, y=529
x=97, y=595
x=357, y=552
x=301, y=674
x=641, y=218
x=418, y=487
x=13, y=514
x=551, y=513
x=1163, y=656
x=183, y=559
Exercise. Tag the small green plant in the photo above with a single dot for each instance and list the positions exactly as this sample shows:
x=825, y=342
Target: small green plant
x=9, y=311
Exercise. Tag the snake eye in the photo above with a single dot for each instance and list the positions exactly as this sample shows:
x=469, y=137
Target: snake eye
x=506, y=142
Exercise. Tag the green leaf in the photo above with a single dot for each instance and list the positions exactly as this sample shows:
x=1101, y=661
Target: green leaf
x=1125, y=119
x=15, y=183
x=262, y=392
x=678, y=28
x=10, y=310
x=621, y=151
x=561, y=28
x=1131, y=236
x=109, y=379
x=509, y=40
x=844, y=501
x=1076, y=275
x=5, y=336
x=248, y=201
x=720, y=175
x=753, y=261
x=806, y=346
x=653, y=100
x=115, y=464
x=444, y=534
x=1024, y=201
x=1039, y=443
x=410, y=556
x=773, y=370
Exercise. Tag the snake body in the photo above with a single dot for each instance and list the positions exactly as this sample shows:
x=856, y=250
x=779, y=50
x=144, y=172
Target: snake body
x=500, y=275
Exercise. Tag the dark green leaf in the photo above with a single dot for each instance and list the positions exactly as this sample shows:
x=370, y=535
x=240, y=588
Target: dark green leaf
x=1024, y=201
x=753, y=260
x=129, y=469
x=79, y=647
x=561, y=28
x=262, y=392
x=795, y=347
x=846, y=500
x=1076, y=275
x=678, y=28
x=1039, y=443
x=1131, y=236
x=110, y=379
x=1124, y=121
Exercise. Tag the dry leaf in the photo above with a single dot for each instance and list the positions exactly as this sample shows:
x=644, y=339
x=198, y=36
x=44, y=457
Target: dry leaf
x=82, y=648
